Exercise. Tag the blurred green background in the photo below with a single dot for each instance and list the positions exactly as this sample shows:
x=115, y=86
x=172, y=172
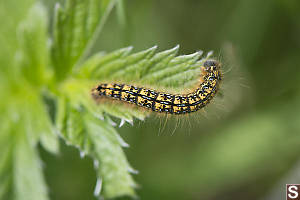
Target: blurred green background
x=247, y=143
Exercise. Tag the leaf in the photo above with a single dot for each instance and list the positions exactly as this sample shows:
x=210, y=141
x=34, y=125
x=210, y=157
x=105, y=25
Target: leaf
x=113, y=168
x=118, y=65
x=28, y=176
x=6, y=149
x=88, y=68
x=24, y=123
x=33, y=55
x=8, y=37
x=99, y=140
x=44, y=127
x=20, y=167
x=163, y=69
x=75, y=28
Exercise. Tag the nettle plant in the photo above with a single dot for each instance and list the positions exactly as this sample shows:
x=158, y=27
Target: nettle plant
x=46, y=81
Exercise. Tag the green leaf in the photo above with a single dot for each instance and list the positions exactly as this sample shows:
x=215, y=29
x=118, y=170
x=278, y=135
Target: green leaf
x=89, y=67
x=129, y=63
x=98, y=139
x=6, y=149
x=33, y=55
x=28, y=177
x=20, y=167
x=37, y=120
x=75, y=28
x=113, y=168
x=85, y=124
x=8, y=37
x=163, y=69
x=44, y=127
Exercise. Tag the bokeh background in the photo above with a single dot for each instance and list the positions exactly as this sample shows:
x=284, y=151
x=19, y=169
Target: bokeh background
x=247, y=143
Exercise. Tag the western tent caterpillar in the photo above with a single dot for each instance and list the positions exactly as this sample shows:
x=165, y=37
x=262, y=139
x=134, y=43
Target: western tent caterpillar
x=210, y=79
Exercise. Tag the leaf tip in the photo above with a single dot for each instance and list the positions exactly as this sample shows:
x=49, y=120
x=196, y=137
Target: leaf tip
x=122, y=142
x=209, y=54
x=121, y=123
x=153, y=48
x=129, y=48
x=200, y=53
x=82, y=154
x=98, y=187
x=176, y=47
x=133, y=171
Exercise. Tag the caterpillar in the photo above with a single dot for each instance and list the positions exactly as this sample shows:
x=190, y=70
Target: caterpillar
x=210, y=79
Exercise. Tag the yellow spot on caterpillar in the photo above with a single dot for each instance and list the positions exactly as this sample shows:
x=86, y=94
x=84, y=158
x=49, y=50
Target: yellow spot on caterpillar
x=126, y=88
x=108, y=92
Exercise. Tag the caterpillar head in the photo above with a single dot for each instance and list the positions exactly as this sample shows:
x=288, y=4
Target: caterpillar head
x=212, y=68
x=211, y=65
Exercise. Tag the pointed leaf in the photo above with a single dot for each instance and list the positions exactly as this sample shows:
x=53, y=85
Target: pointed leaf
x=163, y=69
x=33, y=55
x=8, y=37
x=28, y=177
x=76, y=25
x=98, y=139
